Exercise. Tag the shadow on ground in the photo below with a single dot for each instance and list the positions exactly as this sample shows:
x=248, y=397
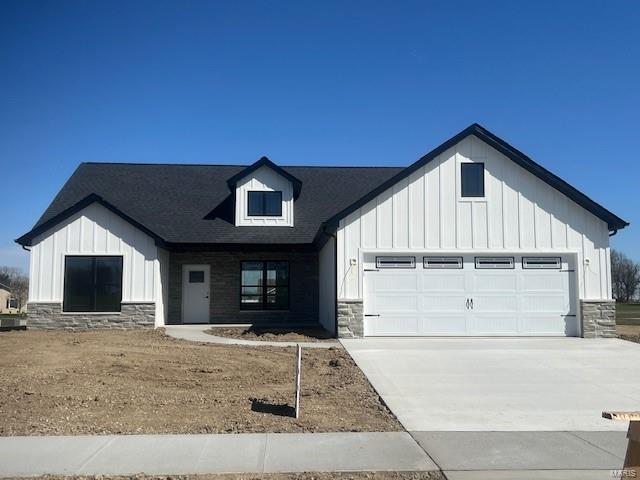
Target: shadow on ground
x=278, y=409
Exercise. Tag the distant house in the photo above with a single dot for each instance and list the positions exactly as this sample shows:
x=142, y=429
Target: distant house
x=473, y=239
x=8, y=304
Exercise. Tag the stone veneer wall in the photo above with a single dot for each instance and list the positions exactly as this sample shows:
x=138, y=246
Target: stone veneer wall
x=598, y=318
x=49, y=316
x=350, y=319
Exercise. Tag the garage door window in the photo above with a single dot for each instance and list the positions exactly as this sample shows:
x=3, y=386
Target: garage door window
x=554, y=263
x=396, y=262
x=495, y=262
x=442, y=262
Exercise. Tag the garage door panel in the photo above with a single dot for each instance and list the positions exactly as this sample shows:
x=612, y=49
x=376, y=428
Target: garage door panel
x=493, y=324
x=396, y=303
x=545, y=303
x=444, y=303
x=495, y=303
x=537, y=282
x=443, y=324
x=395, y=325
x=395, y=283
x=548, y=325
x=495, y=282
x=445, y=282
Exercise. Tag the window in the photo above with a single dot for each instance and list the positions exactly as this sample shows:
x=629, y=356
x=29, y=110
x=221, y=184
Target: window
x=92, y=284
x=12, y=303
x=442, y=262
x=264, y=286
x=472, y=179
x=265, y=204
x=541, y=262
x=494, y=262
x=396, y=262
x=196, y=276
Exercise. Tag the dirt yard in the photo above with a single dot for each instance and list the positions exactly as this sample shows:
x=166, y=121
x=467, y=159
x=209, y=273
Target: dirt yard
x=65, y=383
x=274, y=334
x=629, y=332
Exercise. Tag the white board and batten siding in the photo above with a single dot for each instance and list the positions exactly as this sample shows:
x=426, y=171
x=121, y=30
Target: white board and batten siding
x=327, y=286
x=97, y=231
x=264, y=179
x=519, y=213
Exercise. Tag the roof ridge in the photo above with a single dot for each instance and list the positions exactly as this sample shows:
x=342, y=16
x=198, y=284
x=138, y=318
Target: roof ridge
x=238, y=165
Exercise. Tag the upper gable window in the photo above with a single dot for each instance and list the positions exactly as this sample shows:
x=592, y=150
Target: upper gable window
x=264, y=204
x=472, y=179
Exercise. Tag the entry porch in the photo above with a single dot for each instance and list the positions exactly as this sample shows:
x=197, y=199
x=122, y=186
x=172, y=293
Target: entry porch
x=260, y=287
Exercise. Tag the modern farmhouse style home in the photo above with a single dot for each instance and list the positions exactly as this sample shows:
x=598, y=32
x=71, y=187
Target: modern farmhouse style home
x=474, y=238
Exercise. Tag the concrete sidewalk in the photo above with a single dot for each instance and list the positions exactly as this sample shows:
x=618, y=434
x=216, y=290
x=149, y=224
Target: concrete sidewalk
x=200, y=454
x=195, y=333
x=525, y=455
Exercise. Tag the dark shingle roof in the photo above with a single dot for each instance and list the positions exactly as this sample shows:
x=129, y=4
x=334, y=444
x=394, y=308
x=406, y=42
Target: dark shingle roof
x=192, y=203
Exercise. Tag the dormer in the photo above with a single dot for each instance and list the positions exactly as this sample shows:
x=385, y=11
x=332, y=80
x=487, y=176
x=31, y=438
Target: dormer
x=264, y=195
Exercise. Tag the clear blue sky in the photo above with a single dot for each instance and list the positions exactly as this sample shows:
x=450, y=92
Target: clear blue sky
x=318, y=83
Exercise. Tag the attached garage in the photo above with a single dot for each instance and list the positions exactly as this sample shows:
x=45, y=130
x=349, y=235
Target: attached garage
x=470, y=295
x=474, y=239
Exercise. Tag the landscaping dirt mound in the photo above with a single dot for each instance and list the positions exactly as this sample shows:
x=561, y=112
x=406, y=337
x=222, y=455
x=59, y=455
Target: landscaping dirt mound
x=110, y=382
x=274, y=334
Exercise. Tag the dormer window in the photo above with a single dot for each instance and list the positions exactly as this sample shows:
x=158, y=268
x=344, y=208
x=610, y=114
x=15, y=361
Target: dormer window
x=264, y=195
x=264, y=204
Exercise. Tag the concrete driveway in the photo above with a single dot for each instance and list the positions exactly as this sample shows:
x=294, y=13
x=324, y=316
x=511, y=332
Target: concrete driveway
x=502, y=384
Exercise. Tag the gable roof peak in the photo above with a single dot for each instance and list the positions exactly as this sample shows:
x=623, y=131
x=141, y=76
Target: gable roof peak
x=614, y=222
x=265, y=162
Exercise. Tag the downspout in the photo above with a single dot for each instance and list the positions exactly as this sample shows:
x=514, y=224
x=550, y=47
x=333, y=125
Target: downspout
x=24, y=247
x=335, y=276
x=611, y=234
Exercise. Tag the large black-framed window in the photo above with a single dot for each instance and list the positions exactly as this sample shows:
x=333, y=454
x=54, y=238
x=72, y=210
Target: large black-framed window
x=92, y=284
x=264, y=285
x=472, y=179
x=264, y=204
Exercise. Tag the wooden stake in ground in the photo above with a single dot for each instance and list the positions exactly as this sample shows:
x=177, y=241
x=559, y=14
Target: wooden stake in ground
x=631, y=466
x=298, y=371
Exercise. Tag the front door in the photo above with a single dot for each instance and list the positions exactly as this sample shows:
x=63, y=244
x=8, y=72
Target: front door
x=195, y=293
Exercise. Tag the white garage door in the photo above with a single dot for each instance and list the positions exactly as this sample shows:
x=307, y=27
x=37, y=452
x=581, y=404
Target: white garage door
x=470, y=295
